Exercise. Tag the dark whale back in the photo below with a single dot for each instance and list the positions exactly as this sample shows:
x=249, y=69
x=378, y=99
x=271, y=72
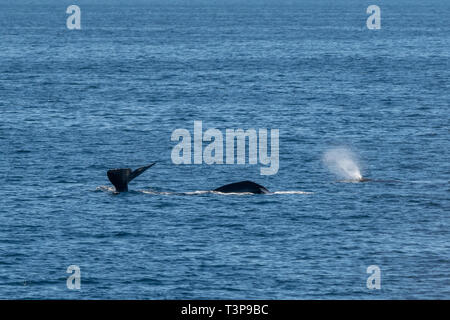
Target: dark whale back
x=241, y=187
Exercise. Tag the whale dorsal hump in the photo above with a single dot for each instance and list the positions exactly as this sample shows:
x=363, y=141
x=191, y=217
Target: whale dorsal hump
x=243, y=186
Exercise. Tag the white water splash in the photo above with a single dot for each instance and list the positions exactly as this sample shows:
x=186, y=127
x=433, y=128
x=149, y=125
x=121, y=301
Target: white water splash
x=343, y=163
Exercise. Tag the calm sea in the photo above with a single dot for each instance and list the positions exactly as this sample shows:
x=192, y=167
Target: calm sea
x=75, y=103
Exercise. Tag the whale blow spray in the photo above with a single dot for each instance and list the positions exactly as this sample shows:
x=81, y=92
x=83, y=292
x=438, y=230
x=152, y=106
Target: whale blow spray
x=343, y=163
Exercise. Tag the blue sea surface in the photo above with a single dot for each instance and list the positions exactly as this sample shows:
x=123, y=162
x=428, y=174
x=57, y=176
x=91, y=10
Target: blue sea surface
x=75, y=103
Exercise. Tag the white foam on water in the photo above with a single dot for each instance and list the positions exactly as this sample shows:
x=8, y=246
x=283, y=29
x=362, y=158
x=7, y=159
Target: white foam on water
x=112, y=189
x=343, y=163
x=156, y=192
x=233, y=193
x=292, y=192
x=175, y=193
x=197, y=192
x=105, y=189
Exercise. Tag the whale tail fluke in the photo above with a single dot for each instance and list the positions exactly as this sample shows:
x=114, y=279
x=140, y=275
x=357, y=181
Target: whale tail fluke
x=121, y=177
x=136, y=173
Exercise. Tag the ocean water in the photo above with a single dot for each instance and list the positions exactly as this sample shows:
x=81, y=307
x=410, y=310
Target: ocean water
x=75, y=103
